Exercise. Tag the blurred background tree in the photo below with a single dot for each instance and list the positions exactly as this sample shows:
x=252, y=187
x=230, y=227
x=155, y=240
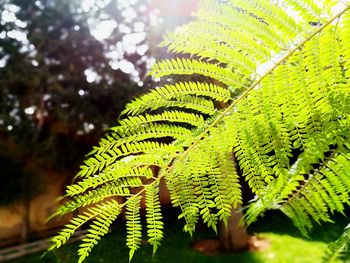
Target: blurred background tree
x=67, y=67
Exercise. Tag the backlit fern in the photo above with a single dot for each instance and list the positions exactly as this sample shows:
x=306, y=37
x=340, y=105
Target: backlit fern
x=340, y=248
x=274, y=109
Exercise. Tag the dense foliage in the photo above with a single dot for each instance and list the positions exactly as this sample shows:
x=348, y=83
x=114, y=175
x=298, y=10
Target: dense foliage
x=274, y=109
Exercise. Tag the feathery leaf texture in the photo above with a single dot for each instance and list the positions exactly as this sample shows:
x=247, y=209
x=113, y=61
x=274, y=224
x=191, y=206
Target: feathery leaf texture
x=105, y=212
x=339, y=249
x=154, y=216
x=98, y=228
x=273, y=109
x=168, y=95
x=186, y=66
x=133, y=224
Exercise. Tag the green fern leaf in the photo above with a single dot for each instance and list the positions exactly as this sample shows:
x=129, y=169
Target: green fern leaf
x=133, y=225
x=285, y=131
x=339, y=249
x=98, y=228
x=153, y=216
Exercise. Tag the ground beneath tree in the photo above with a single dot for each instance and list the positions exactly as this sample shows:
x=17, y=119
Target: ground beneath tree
x=212, y=247
x=285, y=244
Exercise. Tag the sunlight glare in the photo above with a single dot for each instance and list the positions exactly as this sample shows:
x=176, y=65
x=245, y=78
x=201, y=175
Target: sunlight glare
x=104, y=29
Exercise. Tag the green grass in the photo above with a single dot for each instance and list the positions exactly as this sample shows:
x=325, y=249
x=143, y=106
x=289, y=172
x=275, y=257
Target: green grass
x=286, y=245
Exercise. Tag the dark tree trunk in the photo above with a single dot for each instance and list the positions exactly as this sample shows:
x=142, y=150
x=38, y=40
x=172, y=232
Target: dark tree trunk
x=27, y=187
x=25, y=223
x=25, y=228
x=234, y=236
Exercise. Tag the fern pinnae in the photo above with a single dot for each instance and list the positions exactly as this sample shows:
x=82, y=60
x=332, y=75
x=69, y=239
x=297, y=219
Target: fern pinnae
x=153, y=216
x=189, y=170
x=190, y=102
x=95, y=196
x=150, y=129
x=271, y=13
x=118, y=188
x=232, y=17
x=176, y=92
x=182, y=194
x=190, y=66
x=112, y=175
x=75, y=223
x=170, y=116
x=233, y=38
x=212, y=52
x=98, y=228
x=133, y=224
x=119, y=151
x=341, y=183
x=226, y=192
x=316, y=197
x=68, y=230
x=229, y=109
x=110, y=150
x=307, y=10
x=344, y=42
x=226, y=162
x=199, y=168
x=339, y=249
x=248, y=144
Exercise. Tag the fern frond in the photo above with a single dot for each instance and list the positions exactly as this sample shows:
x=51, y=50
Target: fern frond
x=286, y=130
x=110, y=149
x=211, y=52
x=200, y=167
x=191, y=66
x=339, y=249
x=309, y=11
x=103, y=160
x=310, y=199
x=169, y=94
x=98, y=228
x=182, y=194
x=169, y=116
x=75, y=223
x=209, y=32
x=345, y=46
x=113, y=189
x=271, y=13
x=133, y=225
x=118, y=172
x=226, y=187
x=153, y=216
x=233, y=17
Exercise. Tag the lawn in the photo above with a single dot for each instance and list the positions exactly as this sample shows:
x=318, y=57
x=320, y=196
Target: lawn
x=286, y=245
